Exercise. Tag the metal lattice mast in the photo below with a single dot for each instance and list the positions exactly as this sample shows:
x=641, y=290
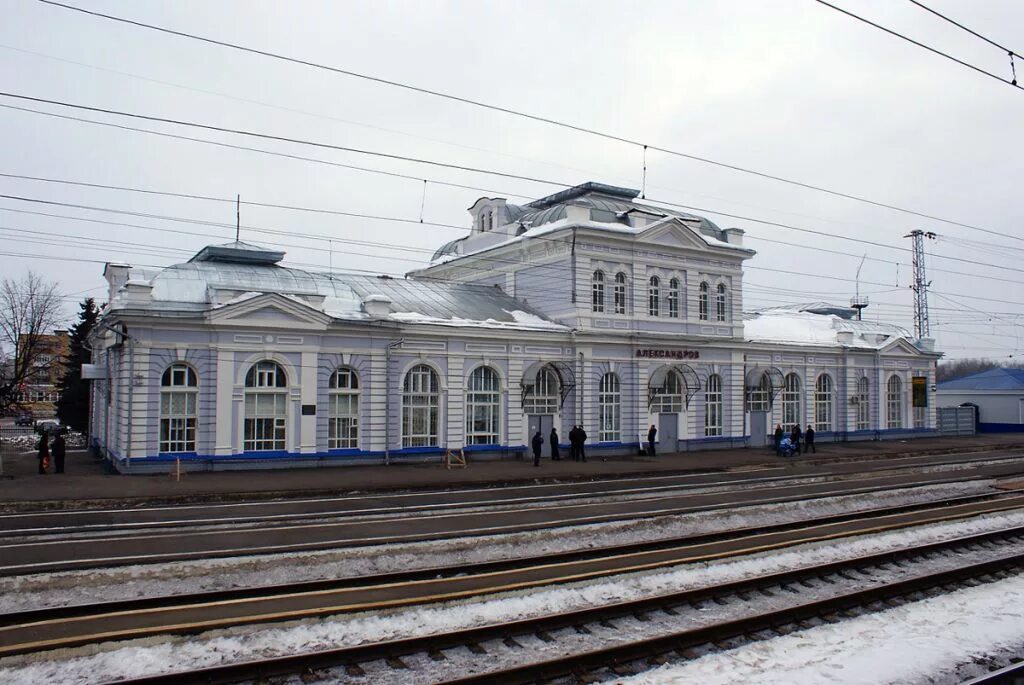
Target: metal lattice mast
x=920, y=284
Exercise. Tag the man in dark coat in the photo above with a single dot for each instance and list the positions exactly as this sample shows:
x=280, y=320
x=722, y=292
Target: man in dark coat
x=574, y=440
x=58, y=450
x=808, y=440
x=652, y=435
x=537, y=442
x=795, y=437
x=44, y=453
x=779, y=433
x=582, y=438
x=554, y=445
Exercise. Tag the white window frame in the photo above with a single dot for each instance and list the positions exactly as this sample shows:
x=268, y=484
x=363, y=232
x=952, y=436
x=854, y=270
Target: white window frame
x=343, y=409
x=179, y=409
x=483, y=407
x=713, y=407
x=863, y=404
x=673, y=298
x=654, y=296
x=421, y=407
x=619, y=293
x=720, y=301
x=669, y=398
x=597, y=291
x=760, y=396
x=894, y=402
x=792, y=402
x=609, y=402
x=265, y=425
x=546, y=396
x=702, y=301
x=824, y=402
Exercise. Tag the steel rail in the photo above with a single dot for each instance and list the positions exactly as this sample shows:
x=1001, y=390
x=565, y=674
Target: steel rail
x=1010, y=675
x=164, y=601
x=352, y=656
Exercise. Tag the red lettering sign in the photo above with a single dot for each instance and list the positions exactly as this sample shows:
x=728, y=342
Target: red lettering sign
x=668, y=354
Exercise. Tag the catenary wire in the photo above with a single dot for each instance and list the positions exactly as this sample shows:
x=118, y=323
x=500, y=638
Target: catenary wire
x=968, y=30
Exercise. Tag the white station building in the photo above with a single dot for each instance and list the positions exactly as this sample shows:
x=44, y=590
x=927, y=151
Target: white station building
x=584, y=307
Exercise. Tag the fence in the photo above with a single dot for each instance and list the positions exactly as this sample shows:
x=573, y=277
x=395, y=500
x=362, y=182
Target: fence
x=956, y=420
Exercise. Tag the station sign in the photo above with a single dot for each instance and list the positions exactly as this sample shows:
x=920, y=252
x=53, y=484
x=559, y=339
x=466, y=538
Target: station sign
x=648, y=353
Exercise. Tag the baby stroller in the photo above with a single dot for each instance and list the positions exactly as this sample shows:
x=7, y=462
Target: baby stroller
x=787, y=448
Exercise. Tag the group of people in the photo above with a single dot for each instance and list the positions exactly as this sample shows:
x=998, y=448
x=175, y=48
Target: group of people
x=58, y=449
x=786, y=445
x=577, y=436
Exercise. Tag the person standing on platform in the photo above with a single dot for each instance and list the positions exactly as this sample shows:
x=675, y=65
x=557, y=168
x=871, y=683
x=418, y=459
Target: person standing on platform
x=59, y=450
x=582, y=437
x=538, y=441
x=809, y=440
x=795, y=437
x=779, y=434
x=574, y=440
x=44, y=453
x=652, y=435
x=554, y=445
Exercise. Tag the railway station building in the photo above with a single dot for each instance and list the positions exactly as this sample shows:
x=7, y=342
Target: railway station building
x=587, y=307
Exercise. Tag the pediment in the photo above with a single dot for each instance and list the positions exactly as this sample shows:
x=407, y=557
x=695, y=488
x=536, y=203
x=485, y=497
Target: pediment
x=270, y=310
x=901, y=347
x=672, y=232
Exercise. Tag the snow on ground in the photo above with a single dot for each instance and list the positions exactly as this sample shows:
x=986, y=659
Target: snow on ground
x=111, y=661
x=918, y=642
x=18, y=593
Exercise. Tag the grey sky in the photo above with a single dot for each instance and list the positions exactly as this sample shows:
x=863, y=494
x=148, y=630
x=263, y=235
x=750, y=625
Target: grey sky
x=788, y=87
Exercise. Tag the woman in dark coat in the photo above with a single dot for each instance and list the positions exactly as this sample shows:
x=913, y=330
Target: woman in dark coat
x=554, y=445
x=58, y=453
x=44, y=453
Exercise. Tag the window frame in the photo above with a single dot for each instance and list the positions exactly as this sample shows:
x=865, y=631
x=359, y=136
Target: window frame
x=483, y=401
x=713, y=407
x=609, y=402
x=894, y=403
x=720, y=302
x=863, y=404
x=264, y=430
x=792, y=401
x=703, y=302
x=673, y=298
x=177, y=431
x=343, y=426
x=654, y=296
x=421, y=405
x=824, y=403
x=619, y=293
x=597, y=291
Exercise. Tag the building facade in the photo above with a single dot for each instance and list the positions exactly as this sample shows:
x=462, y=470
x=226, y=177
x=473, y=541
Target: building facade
x=996, y=394
x=41, y=388
x=586, y=307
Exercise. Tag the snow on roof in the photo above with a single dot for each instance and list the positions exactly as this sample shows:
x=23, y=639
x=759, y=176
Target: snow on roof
x=992, y=379
x=798, y=327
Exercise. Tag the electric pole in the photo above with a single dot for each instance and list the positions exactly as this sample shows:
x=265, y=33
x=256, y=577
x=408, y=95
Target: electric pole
x=920, y=284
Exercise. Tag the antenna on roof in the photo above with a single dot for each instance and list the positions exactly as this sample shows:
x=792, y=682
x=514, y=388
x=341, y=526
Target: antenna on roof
x=238, y=216
x=857, y=302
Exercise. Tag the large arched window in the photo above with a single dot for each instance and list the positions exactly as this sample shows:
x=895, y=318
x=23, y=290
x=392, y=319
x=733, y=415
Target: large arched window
x=483, y=407
x=669, y=398
x=597, y=291
x=654, y=296
x=673, y=298
x=266, y=408
x=421, y=408
x=713, y=406
x=791, y=400
x=863, y=404
x=894, y=403
x=759, y=398
x=179, y=392
x=343, y=419
x=823, y=403
x=620, y=293
x=702, y=303
x=720, y=302
x=609, y=402
x=546, y=394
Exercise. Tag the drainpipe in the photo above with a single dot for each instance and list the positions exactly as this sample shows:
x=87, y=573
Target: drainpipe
x=581, y=385
x=387, y=399
x=131, y=392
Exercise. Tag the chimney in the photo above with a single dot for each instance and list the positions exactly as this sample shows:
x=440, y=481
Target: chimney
x=844, y=337
x=734, y=236
x=116, y=275
x=377, y=306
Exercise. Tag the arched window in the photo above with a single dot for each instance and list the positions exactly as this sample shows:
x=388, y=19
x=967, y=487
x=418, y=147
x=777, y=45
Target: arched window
x=702, y=304
x=483, y=407
x=421, y=408
x=791, y=400
x=343, y=420
x=620, y=293
x=609, y=402
x=266, y=408
x=720, y=302
x=653, y=296
x=669, y=397
x=546, y=394
x=863, y=404
x=759, y=398
x=894, y=403
x=179, y=392
x=823, y=403
x=597, y=291
x=673, y=298
x=713, y=406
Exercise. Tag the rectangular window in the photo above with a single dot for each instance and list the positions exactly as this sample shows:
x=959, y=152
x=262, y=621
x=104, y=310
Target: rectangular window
x=713, y=408
x=264, y=434
x=343, y=424
x=178, y=422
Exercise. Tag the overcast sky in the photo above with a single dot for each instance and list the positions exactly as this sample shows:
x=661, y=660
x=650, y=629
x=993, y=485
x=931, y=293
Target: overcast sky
x=787, y=87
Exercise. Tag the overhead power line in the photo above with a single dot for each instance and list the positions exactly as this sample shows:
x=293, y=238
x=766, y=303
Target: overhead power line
x=919, y=44
x=497, y=108
x=970, y=31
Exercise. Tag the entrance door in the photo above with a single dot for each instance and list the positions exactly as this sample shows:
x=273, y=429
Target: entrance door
x=758, y=429
x=668, y=433
x=543, y=423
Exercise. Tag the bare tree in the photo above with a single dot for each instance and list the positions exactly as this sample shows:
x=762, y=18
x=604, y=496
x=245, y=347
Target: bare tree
x=29, y=309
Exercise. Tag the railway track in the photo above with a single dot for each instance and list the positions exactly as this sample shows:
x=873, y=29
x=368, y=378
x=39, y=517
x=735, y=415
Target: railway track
x=365, y=663
x=77, y=625
x=47, y=555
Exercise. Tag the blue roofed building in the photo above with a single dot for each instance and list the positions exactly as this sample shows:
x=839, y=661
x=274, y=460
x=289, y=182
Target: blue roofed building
x=998, y=395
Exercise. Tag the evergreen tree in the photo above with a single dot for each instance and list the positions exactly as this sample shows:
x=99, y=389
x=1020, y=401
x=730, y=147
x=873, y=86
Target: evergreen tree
x=73, y=405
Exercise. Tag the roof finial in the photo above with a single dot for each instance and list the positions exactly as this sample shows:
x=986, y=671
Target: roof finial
x=238, y=216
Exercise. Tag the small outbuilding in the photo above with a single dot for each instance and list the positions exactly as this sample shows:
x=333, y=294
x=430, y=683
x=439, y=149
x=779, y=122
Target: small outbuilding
x=998, y=395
